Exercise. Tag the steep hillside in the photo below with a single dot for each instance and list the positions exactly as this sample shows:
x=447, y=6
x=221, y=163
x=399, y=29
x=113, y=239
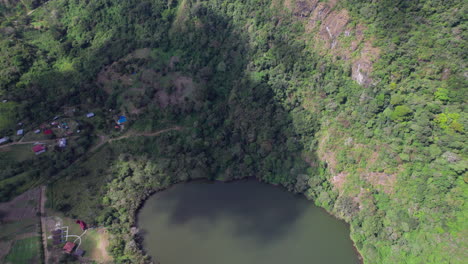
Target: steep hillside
x=359, y=105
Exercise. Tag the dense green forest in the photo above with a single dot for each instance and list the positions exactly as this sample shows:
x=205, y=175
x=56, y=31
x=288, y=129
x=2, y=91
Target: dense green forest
x=360, y=105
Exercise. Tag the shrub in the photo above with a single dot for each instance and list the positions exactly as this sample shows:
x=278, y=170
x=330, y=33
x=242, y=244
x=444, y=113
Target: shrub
x=401, y=113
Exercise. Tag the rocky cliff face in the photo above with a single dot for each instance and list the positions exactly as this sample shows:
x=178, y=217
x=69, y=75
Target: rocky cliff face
x=332, y=34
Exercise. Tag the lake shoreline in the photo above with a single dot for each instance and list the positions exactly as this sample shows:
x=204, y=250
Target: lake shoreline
x=140, y=238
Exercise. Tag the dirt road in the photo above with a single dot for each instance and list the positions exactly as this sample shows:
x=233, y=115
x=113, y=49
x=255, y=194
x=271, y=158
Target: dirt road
x=27, y=142
x=147, y=134
x=43, y=224
x=21, y=142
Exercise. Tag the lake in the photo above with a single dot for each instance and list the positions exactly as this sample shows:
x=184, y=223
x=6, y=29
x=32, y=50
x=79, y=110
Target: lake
x=240, y=222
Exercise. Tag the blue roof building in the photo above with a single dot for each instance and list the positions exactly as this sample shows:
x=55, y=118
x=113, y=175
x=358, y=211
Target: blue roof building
x=122, y=119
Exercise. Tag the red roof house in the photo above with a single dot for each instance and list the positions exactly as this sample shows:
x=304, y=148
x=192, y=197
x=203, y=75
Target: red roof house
x=82, y=224
x=69, y=246
x=38, y=149
x=48, y=132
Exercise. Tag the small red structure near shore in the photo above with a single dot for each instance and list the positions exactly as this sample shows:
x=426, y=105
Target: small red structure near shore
x=38, y=149
x=82, y=224
x=69, y=246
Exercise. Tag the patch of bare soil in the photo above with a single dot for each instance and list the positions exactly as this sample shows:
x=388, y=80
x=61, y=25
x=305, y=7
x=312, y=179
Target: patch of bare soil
x=163, y=86
x=326, y=154
x=334, y=34
x=110, y=74
x=180, y=90
x=339, y=180
x=289, y=4
x=21, y=207
x=146, y=134
x=364, y=195
x=362, y=66
x=173, y=61
x=329, y=156
x=50, y=223
x=387, y=181
x=5, y=248
x=149, y=76
x=140, y=53
x=380, y=180
x=304, y=8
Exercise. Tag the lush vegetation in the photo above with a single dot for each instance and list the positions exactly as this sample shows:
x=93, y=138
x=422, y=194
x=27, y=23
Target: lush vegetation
x=389, y=157
x=25, y=251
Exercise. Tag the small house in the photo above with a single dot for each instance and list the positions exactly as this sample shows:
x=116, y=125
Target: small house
x=79, y=252
x=89, y=115
x=20, y=132
x=69, y=246
x=62, y=142
x=48, y=132
x=122, y=119
x=4, y=140
x=37, y=131
x=39, y=149
x=57, y=232
x=82, y=224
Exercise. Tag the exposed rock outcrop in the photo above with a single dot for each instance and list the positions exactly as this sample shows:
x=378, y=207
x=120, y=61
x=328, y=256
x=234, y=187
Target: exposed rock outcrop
x=334, y=35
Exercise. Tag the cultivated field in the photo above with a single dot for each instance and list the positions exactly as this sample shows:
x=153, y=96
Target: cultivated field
x=19, y=229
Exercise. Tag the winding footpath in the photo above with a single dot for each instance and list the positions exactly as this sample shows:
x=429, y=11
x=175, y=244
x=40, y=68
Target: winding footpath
x=105, y=139
x=147, y=134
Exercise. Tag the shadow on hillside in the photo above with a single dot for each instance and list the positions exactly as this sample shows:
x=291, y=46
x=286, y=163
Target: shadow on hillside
x=243, y=111
x=255, y=134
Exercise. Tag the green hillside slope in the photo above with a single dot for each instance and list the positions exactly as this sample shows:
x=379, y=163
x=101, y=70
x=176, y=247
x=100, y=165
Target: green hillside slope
x=360, y=105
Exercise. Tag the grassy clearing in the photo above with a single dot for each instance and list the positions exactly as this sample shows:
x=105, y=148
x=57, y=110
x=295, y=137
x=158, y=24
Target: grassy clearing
x=90, y=241
x=81, y=195
x=73, y=227
x=6, y=115
x=94, y=244
x=25, y=251
x=21, y=152
x=23, y=181
x=31, y=136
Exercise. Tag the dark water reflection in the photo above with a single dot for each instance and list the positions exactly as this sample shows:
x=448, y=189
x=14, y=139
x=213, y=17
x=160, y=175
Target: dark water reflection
x=240, y=222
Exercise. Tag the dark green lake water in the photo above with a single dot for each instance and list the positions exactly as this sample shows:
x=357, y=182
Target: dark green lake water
x=243, y=222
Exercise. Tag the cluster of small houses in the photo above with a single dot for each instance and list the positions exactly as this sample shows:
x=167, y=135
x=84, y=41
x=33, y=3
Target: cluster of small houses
x=59, y=236
x=40, y=148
